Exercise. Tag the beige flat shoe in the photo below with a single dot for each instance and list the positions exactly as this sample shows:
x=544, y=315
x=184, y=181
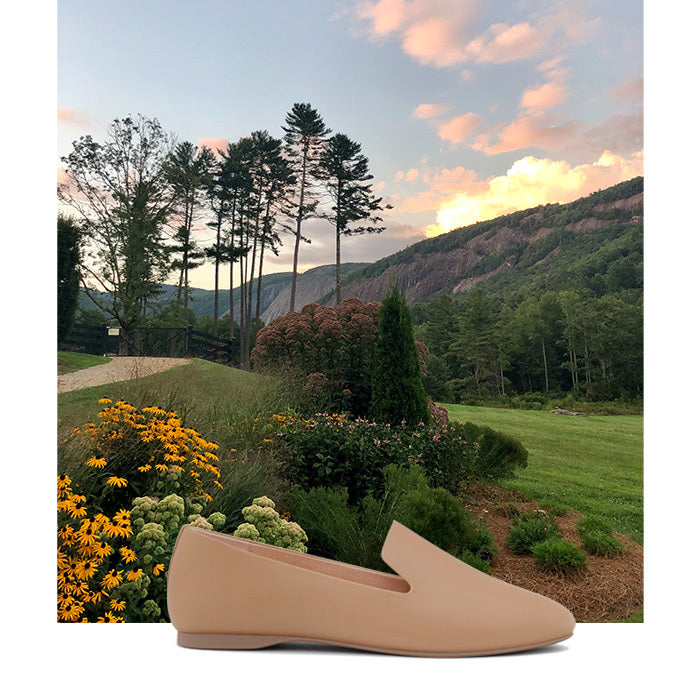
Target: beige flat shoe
x=225, y=592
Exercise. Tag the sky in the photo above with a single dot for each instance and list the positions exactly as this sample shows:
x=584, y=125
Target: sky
x=466, y=109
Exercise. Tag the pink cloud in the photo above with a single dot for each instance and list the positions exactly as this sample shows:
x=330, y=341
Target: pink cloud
x=74, y=118
x=629, y=90
x=621, y=133
x=458, y=128
x=430, y=111
x=542, y=97
x=215, y=144
x=412, y=174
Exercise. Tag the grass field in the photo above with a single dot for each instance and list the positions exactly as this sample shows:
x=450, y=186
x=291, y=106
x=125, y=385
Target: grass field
x=592, y=464
x=72, y=361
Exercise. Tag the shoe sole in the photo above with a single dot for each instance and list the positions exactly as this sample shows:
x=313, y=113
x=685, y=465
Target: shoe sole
x=260, y=641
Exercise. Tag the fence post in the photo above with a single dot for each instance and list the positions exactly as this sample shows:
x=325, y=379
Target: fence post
x=188, y=340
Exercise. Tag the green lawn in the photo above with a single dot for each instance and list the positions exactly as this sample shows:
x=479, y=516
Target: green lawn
x=593, y=464
x=72, y=361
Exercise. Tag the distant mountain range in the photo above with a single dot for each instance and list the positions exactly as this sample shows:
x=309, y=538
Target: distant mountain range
x=547, y=247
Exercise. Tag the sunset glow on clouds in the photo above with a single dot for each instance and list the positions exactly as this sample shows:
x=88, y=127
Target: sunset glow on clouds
x=529, y=182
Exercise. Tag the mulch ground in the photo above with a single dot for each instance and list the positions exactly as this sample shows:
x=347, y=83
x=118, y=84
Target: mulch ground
x=609, y=589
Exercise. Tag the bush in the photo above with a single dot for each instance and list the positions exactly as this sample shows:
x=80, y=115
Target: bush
x=597, y=538
x=528, y=530
x=330, y=450
x=442, y=519
x=355, y=533
x=476, y=561
x=113, y=569
x=143, y=452
x=555, y=554
x=264, y=524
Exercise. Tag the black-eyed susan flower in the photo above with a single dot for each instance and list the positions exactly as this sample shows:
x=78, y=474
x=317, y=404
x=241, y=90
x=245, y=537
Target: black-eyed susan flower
x=97, y=462
x=86, y=569
x=117, y=605
x=112, y=579
x=145, y=468
x=104, y=400
x=101, y=550
x=134, y=574
x=158, y=569
x=117, y=481
x=75, y=510
x=128, y=555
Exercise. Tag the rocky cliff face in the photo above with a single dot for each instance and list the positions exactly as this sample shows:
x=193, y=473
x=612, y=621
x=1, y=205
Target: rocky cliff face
x=426, y=274
x=311, y=286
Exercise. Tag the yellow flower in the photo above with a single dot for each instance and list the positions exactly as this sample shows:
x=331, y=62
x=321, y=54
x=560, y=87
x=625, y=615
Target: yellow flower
x=134, y=574
x=158, y=569
x=105, y=400
x=101, y=550
x=145, y=468
x=75, y=510
x=117, y=605
x=116, y=481
x=97, y=462
x=128, y=555
x=86, y=568
x=112, y=579
x=162, y=467
x=123, y=517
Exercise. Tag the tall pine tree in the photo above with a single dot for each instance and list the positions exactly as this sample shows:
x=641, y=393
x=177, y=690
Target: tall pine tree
x=304, y=136
x=344, y=170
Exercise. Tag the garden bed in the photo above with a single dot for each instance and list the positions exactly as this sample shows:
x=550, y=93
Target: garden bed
x=608, y=590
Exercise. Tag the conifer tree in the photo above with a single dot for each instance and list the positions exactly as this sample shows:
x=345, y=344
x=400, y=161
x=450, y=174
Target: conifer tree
x=344, y=171
x=397, y=389
x=304, y=136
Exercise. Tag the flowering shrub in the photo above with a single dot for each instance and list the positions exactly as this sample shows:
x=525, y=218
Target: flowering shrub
x=332, y=450
x=148, y=451
x=156, y=474
x=91, y=559
x=264, y=524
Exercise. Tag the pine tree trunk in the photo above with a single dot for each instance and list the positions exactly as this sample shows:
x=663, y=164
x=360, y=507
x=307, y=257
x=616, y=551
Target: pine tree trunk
x=300, y=218
x=215, y=324
x=337, y=249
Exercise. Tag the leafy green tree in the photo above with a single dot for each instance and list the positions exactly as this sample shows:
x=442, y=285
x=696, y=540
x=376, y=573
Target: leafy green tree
x=123, y=199
x=344, y=171
x=304, y=136
x=397, y=389
x=68, y=276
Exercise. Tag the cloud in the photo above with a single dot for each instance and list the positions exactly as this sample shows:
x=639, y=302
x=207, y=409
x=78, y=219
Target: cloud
x=429, y=111
x=621, y=133
x=529, y=182
x=445, y=33
x=434, y=33
x=629, y=90
x=412, y=174
x=399, y=175
x=458, y=128
x=543, y=96
x=215, y=144
x=74, y=118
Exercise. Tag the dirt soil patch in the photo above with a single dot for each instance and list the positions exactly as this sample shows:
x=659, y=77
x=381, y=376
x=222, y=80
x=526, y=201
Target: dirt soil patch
x=609, y=589
x=117, y=370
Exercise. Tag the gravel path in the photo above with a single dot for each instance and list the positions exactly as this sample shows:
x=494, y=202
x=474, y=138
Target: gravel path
x=116, y=370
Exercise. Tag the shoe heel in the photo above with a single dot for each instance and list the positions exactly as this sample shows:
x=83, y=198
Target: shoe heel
x=227, y=641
